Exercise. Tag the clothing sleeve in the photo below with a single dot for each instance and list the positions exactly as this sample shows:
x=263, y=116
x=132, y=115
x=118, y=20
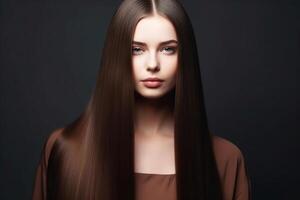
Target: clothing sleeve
x=233, y=170
x=242, y=189
x=39, y=191
x=235, y=177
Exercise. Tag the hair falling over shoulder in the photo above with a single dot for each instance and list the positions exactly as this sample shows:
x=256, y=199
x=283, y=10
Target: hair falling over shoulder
x=94, y=157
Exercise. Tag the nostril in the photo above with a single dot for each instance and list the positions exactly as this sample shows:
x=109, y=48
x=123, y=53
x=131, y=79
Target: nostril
x=155, y=68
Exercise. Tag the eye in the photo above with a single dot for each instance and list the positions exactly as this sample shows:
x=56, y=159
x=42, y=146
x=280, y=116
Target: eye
x=136, y=50
x=169, y=50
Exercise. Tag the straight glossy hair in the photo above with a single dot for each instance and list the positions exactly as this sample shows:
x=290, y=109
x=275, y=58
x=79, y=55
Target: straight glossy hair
x=94, y=156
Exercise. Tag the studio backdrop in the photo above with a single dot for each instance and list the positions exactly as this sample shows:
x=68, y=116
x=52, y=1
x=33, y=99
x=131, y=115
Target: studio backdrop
x=249, y=59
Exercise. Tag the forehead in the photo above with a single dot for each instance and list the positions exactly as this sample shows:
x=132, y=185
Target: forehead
x=154, y=29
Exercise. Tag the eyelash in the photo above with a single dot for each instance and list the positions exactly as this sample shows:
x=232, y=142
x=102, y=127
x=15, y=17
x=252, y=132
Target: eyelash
x=173, y=50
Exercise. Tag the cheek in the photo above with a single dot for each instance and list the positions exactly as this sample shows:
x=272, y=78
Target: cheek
x=170, y=65
x=137, y=64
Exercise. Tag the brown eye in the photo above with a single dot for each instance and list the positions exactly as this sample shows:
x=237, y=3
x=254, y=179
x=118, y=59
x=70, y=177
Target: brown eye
x=137, y=50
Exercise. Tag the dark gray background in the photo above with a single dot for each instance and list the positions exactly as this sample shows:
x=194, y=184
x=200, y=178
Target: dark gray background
x=249, y=55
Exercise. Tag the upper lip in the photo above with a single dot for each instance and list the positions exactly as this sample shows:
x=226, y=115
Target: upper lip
x=152, y=79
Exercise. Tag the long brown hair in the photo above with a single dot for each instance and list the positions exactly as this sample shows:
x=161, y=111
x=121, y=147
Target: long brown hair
x=94, y=157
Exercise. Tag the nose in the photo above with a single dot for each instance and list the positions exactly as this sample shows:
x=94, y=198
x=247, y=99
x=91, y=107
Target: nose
x=152, y=62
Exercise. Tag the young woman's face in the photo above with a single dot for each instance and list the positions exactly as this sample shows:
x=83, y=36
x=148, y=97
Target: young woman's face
x=154, y=55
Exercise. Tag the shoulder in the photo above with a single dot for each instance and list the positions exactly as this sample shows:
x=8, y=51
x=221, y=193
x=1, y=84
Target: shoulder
x=232, y=169
x=225, y=150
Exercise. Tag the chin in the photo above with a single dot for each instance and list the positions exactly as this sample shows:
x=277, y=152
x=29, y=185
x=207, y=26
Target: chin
x=151, y=93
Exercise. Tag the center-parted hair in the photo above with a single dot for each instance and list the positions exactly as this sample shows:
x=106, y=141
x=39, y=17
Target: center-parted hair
x=94, y=157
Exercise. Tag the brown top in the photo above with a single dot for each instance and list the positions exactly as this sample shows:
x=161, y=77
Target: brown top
x=230, y=162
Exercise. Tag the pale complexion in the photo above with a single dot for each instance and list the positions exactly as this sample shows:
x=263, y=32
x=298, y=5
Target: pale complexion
x=155, y=54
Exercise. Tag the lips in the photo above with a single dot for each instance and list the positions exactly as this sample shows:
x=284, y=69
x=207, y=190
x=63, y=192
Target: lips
x=152, y=82
x=152, y=79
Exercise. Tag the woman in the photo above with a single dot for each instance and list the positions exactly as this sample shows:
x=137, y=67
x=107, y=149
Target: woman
x=144, y=133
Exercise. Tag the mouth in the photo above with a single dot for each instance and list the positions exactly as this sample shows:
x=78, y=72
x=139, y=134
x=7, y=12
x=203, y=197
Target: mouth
x=153, y=79
x=152, y=82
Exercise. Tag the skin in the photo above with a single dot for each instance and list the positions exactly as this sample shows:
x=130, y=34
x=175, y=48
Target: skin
x=154, y=121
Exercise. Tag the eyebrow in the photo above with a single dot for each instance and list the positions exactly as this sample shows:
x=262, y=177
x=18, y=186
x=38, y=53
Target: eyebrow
x=162, y=43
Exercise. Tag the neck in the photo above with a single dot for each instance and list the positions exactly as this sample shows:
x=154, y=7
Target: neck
x=154, y=117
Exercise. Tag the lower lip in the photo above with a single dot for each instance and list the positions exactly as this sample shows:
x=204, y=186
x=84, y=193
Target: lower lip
x=152, y=84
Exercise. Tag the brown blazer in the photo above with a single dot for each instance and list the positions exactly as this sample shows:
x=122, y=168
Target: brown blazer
x=230, y=162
